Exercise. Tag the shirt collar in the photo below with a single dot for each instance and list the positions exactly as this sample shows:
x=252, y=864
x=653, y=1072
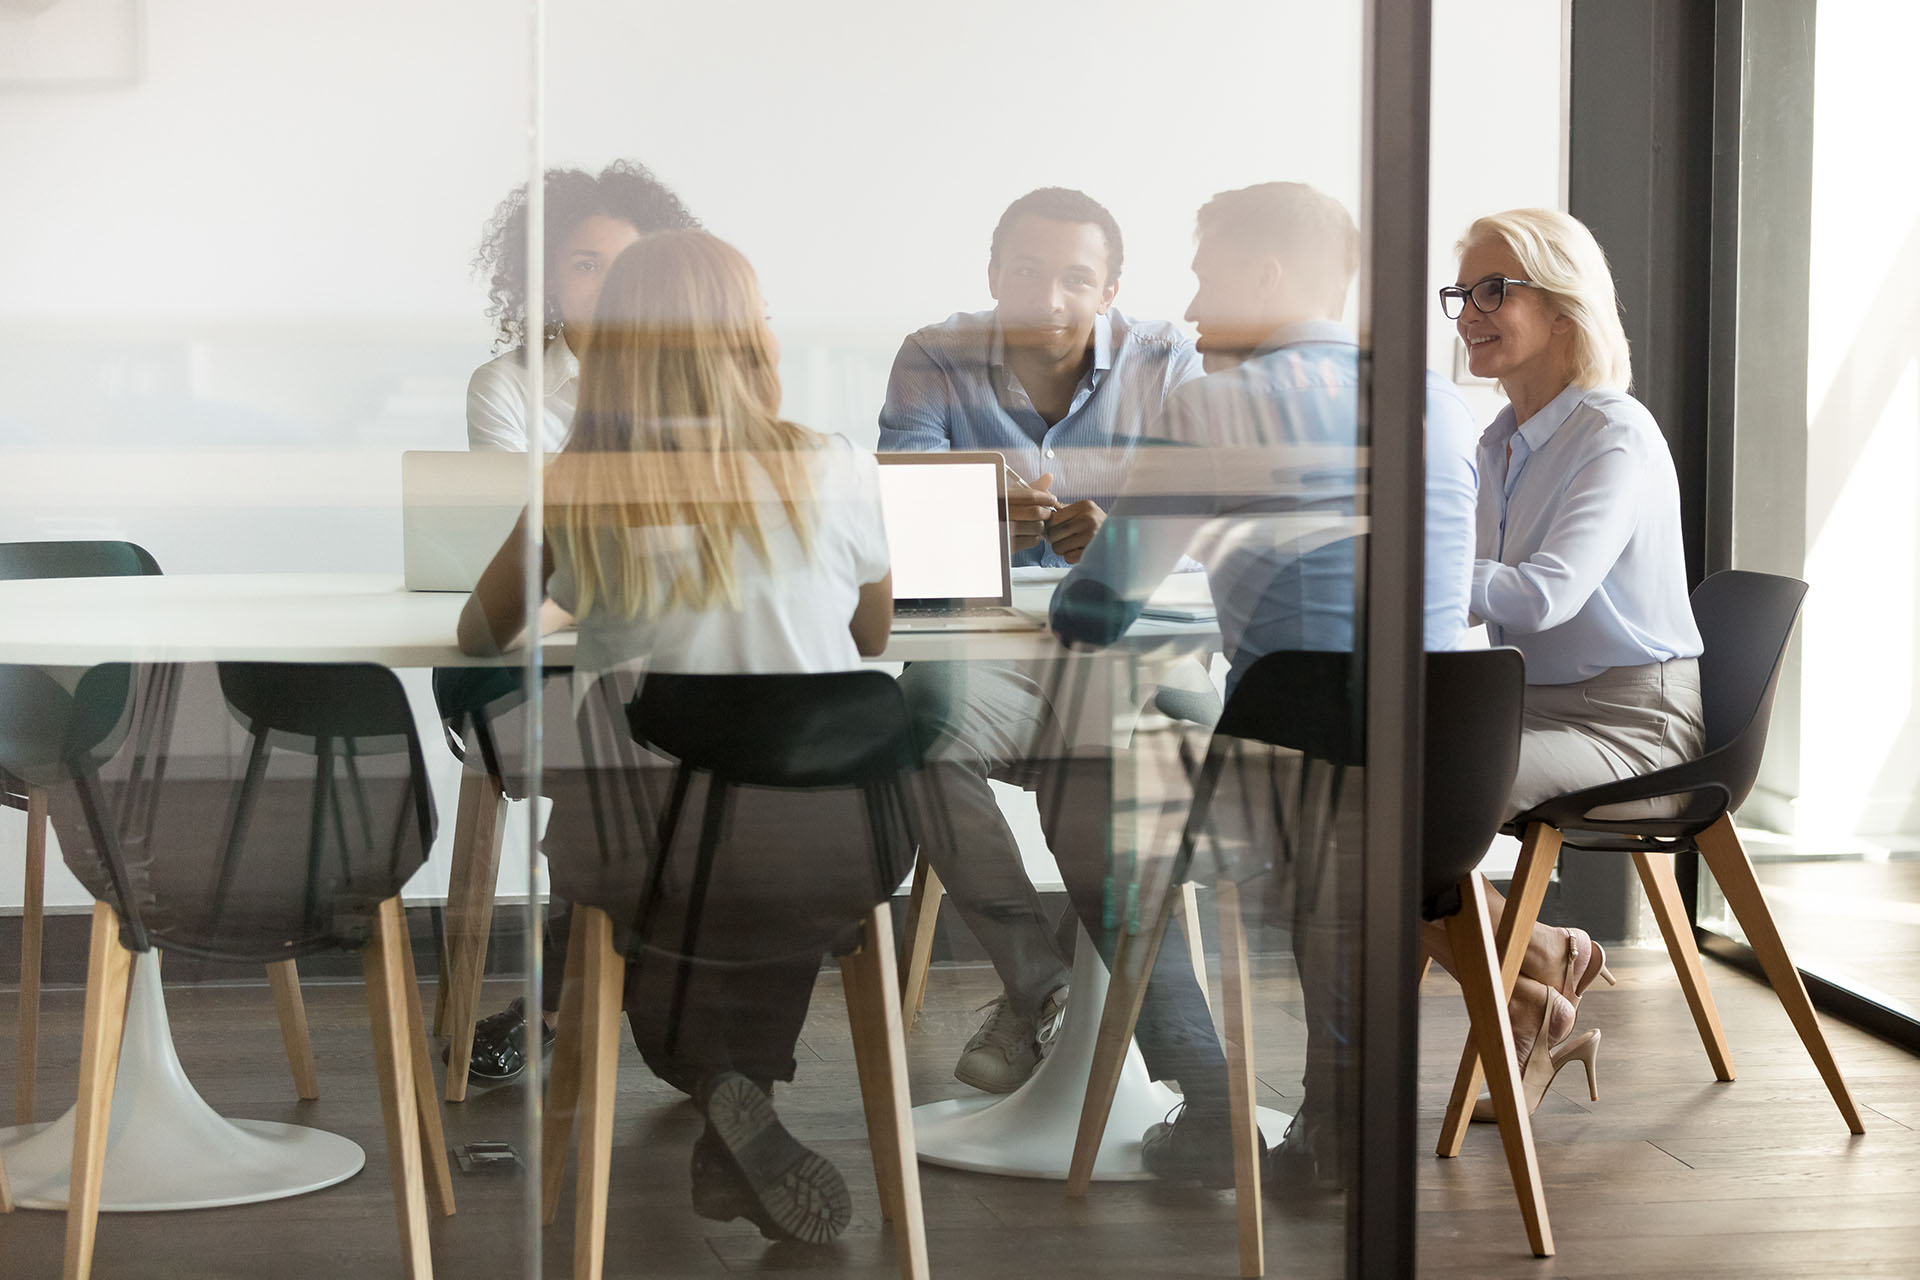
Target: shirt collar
x=558, y=365
x=1538, y=429
x=1102, y=343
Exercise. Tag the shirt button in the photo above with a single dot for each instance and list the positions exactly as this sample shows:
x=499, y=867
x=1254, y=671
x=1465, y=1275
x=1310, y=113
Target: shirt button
x=1049, y=453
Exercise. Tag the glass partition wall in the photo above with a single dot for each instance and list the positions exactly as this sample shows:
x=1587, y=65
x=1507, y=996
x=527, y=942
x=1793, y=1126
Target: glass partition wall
x=566, y=435
x=1815, y=431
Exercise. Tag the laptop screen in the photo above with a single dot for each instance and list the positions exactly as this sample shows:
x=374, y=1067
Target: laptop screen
x=946, y=528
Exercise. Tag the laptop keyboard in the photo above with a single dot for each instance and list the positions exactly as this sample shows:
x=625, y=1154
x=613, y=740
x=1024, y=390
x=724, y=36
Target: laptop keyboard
x=971, y=611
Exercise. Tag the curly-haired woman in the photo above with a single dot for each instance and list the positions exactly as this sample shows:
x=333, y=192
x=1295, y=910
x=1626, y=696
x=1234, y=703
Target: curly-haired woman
x=590, y=219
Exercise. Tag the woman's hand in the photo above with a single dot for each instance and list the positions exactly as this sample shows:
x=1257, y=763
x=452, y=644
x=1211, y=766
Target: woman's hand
x=495, y=614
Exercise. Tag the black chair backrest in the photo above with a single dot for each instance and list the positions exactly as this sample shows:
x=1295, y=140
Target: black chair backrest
x=1745, y=621
x=48, y=731
x=41, y=726
x=315, y=700
x=832, y=729
x=1475, y=705
x=1306, y=701
x=85, y=559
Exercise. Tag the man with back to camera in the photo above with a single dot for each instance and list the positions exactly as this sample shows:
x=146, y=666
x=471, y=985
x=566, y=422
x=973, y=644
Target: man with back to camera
x=1060, y=383
x=1273, y=265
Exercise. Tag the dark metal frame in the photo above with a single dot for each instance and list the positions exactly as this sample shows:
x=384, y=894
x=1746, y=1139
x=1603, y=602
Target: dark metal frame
x=1396, y=121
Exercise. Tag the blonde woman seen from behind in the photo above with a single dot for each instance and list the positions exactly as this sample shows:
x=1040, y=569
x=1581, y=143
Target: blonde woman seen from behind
x=1579, y=563
x=691, y=529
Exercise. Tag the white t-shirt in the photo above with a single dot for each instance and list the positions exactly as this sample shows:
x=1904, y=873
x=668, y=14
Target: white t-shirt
x=497, y=400
x=794, y=607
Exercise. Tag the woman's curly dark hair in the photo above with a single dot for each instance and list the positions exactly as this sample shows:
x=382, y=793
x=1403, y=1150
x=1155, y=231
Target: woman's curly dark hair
x=624, y=189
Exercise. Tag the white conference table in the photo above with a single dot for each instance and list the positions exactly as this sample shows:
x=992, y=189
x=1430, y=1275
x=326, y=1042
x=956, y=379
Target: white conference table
x=168, y=1149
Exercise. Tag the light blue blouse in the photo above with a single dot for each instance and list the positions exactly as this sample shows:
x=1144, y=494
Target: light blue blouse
x=1579, y=562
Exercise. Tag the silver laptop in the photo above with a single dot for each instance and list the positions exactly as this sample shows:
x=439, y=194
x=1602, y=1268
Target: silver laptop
x=946, y=517
x=455, y=511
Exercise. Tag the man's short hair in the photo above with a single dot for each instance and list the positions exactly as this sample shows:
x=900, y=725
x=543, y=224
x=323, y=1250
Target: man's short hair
x=1311, y=233
x=1061, y=204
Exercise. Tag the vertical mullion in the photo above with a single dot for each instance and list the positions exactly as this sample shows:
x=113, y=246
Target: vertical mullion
x=1396, y=113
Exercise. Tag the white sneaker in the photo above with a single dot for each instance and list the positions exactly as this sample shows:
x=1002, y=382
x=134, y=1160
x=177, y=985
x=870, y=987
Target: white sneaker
x=1005, y=1050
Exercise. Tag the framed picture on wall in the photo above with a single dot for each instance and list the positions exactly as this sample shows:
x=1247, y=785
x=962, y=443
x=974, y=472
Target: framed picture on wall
x=72, y=44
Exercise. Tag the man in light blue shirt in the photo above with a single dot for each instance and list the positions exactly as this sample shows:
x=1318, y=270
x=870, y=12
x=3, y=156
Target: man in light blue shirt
x=1061, y=383
x=1255, y=475
x=1055, y=378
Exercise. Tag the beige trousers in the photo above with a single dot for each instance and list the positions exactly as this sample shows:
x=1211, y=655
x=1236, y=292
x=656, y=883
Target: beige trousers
x=1619, y=724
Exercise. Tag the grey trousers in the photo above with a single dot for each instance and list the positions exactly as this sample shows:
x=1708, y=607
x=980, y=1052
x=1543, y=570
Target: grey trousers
x=975, y=721
x=982, y=720
x=1622, y=723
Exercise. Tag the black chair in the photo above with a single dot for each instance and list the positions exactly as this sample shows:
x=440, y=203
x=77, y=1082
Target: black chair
x=1304, y=702
x=20, y=561
x=1745, y=621
x=835, y=733
x=139, y=842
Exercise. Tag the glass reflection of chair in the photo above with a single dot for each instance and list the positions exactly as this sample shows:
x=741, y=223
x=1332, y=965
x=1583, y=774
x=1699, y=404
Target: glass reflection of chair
x=99, y=559
x=140, y=853
x=469, y=698
x=1301, y=702
x=841, y=735
x=1745, y=620
x=1183, y=707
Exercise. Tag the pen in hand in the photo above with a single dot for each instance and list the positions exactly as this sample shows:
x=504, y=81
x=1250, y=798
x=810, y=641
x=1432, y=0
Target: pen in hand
x=1029, y=507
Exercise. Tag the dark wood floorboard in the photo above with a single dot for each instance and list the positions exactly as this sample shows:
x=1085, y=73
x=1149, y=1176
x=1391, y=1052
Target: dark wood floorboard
x=1669, y=1175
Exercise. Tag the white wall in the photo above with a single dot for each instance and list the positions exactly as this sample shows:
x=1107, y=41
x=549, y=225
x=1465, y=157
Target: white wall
x=265, y=244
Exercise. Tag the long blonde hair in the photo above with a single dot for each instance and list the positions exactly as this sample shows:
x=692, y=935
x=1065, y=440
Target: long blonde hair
x=678, y=413
x=1556, y=251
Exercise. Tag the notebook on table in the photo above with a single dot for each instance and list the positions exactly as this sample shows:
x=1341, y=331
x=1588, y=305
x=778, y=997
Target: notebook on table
x=947, y=531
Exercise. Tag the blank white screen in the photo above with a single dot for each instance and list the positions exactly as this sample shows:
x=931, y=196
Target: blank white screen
x=943, y=529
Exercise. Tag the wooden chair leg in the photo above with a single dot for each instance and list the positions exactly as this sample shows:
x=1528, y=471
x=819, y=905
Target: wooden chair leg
x=1728, y=861
x=471, y=878
x=1539, y=850
x=109, y=966
x=1426, y=967
x=284, y=978
x=433, y=1137
x=1190, y=925
x=387, y=1001
x=880, y=1053
x=563, y=1083
x=1470, y=932
x=604, y=980
x=1663, y=895
x=1126, y=989
x=1236, y=992
x=32, y=918
x=923, y=915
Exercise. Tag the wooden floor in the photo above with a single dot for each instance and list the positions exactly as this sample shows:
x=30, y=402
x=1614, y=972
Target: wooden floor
x=1669, y=1175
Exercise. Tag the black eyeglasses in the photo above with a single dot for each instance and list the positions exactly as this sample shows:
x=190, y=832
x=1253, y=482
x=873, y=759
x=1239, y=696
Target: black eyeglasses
x=1487, y=295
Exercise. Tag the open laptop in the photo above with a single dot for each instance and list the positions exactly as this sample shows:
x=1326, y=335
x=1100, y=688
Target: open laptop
x=455, y=511
x=946, y=517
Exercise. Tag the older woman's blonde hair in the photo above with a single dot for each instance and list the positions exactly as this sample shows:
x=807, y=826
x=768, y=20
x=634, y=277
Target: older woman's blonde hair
x=1557, y=252
x=678, y=414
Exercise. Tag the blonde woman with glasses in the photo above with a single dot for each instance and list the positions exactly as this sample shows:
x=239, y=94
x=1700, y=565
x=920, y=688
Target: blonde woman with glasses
x=1579, y=563
x=691, y=529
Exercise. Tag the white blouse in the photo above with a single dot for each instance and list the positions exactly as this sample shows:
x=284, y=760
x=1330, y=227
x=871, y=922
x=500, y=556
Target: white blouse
x=795, y=606
x=1580, y=562
x=497, y=400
